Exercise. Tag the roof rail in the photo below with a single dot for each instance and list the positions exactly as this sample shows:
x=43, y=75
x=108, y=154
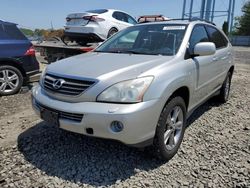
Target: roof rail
x=193, y=19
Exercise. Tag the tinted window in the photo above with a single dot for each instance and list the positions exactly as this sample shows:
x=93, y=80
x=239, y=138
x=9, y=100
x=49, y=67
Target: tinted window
x=199, y=34
x=99, y=11
x=2, y=33
x=10, y=31
x=120, y=16
x=157, y=39
x=216, y=37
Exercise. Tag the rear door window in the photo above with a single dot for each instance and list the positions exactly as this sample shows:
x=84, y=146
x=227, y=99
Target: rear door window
x=217, y=37
x=199, y=34
x=131, y=20
x=120, y=16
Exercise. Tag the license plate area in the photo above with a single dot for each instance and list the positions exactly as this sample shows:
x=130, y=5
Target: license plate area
x=50, y=116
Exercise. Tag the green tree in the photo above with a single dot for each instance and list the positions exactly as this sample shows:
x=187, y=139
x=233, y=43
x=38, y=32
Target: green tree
x=27, y=32
x=242, y=24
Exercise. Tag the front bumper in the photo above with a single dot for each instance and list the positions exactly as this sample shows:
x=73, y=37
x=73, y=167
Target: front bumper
x=139, y=119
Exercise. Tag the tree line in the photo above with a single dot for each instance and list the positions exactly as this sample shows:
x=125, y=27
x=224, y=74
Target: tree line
x=44, y=33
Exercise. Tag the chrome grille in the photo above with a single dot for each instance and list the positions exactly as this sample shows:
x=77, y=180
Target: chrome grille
x=69, y=87
x=62, y=115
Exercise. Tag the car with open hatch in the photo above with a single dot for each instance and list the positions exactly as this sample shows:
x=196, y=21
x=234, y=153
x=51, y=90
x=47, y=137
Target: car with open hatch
x=140, y=86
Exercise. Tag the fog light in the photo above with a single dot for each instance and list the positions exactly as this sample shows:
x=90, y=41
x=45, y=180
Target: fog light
x=116, y=126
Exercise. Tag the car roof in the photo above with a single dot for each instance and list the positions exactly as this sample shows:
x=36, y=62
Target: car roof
x=7, y=23
x=179, y=21
x=113, y=10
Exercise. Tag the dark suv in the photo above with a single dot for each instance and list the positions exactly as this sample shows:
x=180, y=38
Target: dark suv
x=17, y=59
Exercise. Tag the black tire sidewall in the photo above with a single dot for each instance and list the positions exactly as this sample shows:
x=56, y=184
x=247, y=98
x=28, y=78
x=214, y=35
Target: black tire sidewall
x=160, y=130
x=111, y=32
x=20, y=77
x=222, y=95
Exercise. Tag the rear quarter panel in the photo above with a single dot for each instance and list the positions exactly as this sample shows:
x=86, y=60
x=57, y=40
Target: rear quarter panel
x=13, y=48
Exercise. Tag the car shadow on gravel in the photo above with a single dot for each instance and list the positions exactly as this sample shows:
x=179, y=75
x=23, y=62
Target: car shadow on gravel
x=211, y=103
x=81, y=159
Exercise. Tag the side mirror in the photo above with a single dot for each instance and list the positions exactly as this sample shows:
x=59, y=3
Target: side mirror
x=204, y=49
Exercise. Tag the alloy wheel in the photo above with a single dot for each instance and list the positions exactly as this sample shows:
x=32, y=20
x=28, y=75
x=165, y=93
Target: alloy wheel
x=9, y=81
x=174, y=126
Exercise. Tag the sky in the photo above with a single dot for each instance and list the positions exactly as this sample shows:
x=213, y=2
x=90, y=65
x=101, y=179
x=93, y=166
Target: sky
x=40, y=14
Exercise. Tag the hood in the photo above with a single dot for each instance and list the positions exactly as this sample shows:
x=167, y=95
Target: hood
x=107, y=68
x=103, y=66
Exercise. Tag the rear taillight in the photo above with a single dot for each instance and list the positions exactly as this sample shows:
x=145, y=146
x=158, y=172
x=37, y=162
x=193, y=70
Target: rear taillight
x=93, y=18
x=68, y=19
x=31, y=51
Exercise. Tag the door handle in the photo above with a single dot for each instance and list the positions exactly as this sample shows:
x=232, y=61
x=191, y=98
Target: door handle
x=215, y=59
x=225, y=57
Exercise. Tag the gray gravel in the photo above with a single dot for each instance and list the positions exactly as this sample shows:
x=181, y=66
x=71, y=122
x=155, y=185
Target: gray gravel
x=215, y=151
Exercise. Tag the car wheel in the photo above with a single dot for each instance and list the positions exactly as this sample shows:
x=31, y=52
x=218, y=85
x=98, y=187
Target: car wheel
x=112, y=31
x=170, y=129
x=225, y=89
x=11, y=80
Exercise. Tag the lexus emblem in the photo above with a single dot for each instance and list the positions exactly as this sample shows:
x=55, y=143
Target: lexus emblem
x=57, y=84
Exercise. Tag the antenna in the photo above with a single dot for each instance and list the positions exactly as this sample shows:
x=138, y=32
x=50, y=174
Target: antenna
x=51, y=24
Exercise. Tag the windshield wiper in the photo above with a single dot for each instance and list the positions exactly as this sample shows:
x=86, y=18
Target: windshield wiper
x=132, y=52
x=100, y=51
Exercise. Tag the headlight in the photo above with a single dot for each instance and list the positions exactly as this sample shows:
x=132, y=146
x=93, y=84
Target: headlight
x=130, y=91
x=42, y=75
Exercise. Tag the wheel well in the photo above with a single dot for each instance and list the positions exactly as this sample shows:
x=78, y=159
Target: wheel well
x=14, y=64
x=114, y=28
x=231, y=70
x=182, y=92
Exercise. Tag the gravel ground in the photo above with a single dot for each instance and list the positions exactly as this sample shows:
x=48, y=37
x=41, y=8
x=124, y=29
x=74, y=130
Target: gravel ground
x=215, y=151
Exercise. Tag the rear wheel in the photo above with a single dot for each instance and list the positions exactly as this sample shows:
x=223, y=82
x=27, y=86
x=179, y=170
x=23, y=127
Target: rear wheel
x=170, y=129
x=225, y=89
x=11, y=80
x=112, y=31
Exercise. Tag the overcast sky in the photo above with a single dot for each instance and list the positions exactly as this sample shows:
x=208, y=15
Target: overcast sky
x=39, y=14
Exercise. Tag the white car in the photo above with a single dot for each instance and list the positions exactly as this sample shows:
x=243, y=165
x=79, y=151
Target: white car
x=96, y=25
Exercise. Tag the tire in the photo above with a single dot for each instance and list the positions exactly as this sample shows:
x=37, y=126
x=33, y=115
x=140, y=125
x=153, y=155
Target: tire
x=112, y=31
x=170, y=131
x=8, y=85
x=225, y=89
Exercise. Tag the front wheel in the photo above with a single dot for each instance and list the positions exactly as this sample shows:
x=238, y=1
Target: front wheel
x=170, y=129
x=11, y=80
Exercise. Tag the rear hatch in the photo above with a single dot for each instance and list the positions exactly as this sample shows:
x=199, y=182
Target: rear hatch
x=13, y=43
x=78, y=19
x=84, y=18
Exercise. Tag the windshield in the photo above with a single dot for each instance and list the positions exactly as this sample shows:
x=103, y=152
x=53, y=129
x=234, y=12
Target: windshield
x=155, y=39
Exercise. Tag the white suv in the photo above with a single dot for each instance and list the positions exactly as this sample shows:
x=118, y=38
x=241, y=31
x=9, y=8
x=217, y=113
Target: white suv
x=96, y=25
x=139, y=86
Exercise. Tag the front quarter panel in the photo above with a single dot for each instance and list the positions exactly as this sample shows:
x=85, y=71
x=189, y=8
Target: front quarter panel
x=168, y=78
